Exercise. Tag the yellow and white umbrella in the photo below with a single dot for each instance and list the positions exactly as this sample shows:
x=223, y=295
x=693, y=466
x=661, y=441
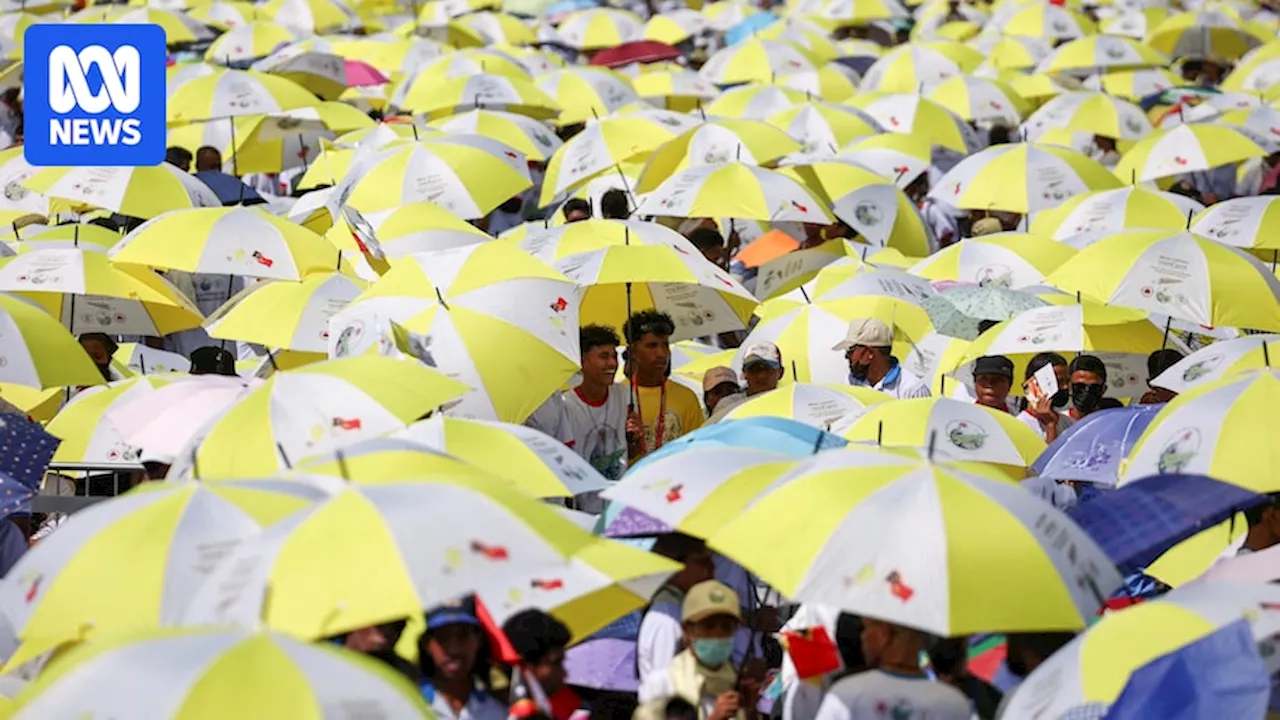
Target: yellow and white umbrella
x=178, y=27
x=143, y=192
x=870, y=204
x=1206, y=34
x=532, y=461
x=675, y=26
x=1219, y=361
x=980, y=100
x=533, y=138
x=1099, y=52
x=912, y=114
x=56, y=595
x=599, y=28
x=1010, y=52
x=757, y=60
x=822, y=127
x=90, y=294
x=1247, y=222
x=1088, y=674
x=677, y=89
x=734, y=190
x=465, y=63
x=311, y=17
x=753, y=142
x=1021, y=178
x=1090, y=112
x=285, y=315
x=499, y=28
x=218, y=672
x=847, y=545
x=754, y=102
x=602, y=147
x=1002, y=260
x=701, y=298
x=235, y=93
x=1133, y=85
x=87, y=436
x=93, y=238
x=1135, y=206
x=586, y=93
x=441, y=98
x=916, y=68
x=554, y=244
x=896, y=157
x=225, y=14
x=1178, y=274
x=862, y=12
x=832, y=82
x=464, y=309
x=467, y=175
x=412, y=227
x=248, y=41
x=39, y=352
x=1209, y=430
x=1051, y=22
x=952, y=429
x=815, y=405
x=1186, y=149
x=241, y=241
x=315, y=409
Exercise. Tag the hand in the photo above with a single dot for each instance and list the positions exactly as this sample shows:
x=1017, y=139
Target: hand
x=1044, y=412
x=727, y=706
x=635, y=426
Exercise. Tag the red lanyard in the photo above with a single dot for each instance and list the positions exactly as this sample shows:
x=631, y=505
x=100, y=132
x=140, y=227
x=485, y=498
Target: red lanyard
x=661, y=425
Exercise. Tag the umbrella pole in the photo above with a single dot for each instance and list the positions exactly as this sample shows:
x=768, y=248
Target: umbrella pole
x=631, y=398
x=231, y=290
x=1167, y=323
x=284, y=457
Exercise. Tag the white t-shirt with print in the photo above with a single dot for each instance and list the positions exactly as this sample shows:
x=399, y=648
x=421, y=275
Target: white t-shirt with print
x=598, y=433
x=877, y=695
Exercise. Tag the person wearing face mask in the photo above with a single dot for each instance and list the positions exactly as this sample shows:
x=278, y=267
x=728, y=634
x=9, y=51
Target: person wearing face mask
x=1046, y=417
x=1088, y=384
x=868, y=347
x=703, y=673
x=1026, y=652
x=895, y=681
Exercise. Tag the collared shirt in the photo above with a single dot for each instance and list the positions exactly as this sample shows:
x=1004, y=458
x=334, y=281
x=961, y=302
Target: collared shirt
x=480, y=706
x=903, y=386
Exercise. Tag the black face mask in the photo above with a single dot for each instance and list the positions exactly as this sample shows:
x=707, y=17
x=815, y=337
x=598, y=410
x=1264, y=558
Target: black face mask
x=1086, y=396
x=1015, y=665
x=1060, y=398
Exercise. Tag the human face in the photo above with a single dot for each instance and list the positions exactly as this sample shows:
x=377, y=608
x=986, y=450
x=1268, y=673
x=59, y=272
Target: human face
x=713, y=396
x=575, y=216
x=366, y=640
x=715, y=255
x=96, y=350
x=875, y=638
x=761, y=377
x=859, y=357
x=698, y=567
x=993, y=390
x=1064, y=378
x=453, y=649
x=550, y=671
x=716, y=626
x=651, y=354
x=600, y=365
x=1161, y=395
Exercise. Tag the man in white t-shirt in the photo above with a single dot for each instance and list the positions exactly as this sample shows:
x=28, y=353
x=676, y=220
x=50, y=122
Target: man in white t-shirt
x=592, y=417
x=868, y=348
x=896, y=687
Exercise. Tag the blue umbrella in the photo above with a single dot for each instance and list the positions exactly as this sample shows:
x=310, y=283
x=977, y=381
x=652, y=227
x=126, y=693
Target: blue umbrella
x=629, y=525
x=1091, y=450
x=749, y=26
x=770, y=433
x=1221, y=675
x=229, y=189
x=1138, y=522
x=567, y=6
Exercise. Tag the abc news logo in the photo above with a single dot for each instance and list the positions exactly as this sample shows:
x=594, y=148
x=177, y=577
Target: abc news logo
x=69, y=91
x=95, y=95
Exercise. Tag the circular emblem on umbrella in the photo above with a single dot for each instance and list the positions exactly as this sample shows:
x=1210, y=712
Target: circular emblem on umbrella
x=349, y=336
x=1115, y=52
x=966, y=435
x=1180, y=451
x=1201, y=368
x=868, y=213
x=995, y=276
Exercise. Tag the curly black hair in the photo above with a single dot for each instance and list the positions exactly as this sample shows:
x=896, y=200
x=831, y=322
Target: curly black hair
x=648, y=321
x=534, y=633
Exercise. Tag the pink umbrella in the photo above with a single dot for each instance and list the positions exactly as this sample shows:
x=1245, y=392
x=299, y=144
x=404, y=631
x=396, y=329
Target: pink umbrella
x=1261, y=566
x=164, y=420
x=362, y=74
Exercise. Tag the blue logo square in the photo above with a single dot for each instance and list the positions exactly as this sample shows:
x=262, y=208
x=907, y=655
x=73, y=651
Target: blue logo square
x=95, y=95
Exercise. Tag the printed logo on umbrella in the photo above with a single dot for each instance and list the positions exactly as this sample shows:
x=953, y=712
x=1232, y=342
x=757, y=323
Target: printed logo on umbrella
x=966, y=435
x=1180, y=451
x=1201, y=368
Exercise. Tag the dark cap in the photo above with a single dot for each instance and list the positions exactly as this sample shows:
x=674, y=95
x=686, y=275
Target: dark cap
x=457, y=612
x=1091, y=364
x=993, y=365
x=212, y=360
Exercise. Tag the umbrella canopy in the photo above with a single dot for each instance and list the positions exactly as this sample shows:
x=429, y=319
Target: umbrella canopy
x=1093, y=448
